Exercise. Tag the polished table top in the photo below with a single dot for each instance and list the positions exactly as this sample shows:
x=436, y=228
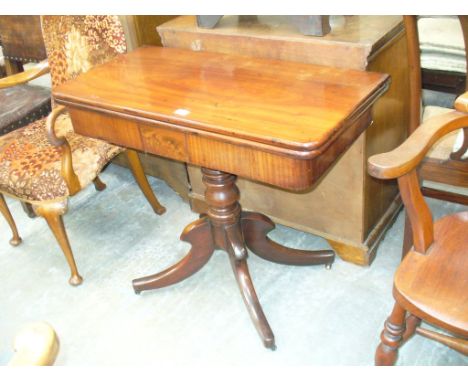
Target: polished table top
x=285, y=108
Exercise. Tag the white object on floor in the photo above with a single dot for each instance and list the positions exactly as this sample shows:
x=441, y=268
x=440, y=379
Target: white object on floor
x=36, y=345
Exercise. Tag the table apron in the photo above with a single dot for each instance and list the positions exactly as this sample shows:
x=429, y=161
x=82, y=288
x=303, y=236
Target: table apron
x=249, y=160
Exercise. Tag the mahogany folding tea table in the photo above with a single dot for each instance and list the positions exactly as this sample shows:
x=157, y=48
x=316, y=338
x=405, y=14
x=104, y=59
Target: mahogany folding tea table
x=277, y=122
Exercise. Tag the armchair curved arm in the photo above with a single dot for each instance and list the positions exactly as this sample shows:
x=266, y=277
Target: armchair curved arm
x=21, y=78
x=67, y=172
x=411, y=152
x=50, y=124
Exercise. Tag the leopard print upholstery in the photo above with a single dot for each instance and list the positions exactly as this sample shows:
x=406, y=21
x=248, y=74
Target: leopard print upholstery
x=74, y=44
x=29, y=165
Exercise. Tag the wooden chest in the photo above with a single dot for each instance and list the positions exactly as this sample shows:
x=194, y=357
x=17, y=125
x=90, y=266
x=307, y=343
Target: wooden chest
x=347, y=207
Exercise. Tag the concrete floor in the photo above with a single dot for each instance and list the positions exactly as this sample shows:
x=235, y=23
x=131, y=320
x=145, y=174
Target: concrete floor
x=319, y=317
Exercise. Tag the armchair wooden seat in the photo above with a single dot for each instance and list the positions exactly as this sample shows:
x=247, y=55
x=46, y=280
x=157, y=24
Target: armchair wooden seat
x=435, y=284
x=46, y=162
x=431, y=283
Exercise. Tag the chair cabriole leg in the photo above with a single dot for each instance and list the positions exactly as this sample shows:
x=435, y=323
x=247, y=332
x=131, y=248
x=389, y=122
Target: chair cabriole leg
x=16, y=239
x=142, y=181
x=52, y=213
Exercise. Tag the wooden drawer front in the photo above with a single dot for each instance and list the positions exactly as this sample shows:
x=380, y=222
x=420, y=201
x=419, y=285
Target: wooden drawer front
x=163, y=141
x=118, y=131
x=281, y=171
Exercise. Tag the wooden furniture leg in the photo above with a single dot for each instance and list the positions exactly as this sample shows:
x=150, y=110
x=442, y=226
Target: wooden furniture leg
x=13, y=67
x=99, y=185
x=256, y=227
x=28, y=209
x=16, y=239
x=413, y=326
x=246, y=287
x=226, y=227
x=391, y=337
x=198, y=234
x=458, y=344
x=52, y=213
x=140, y=177
x=407, y=237
x=412, y=323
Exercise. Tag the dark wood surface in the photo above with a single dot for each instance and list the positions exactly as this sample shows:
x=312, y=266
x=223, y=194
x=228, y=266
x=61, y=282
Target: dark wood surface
x=445, y=171
x=414, y=62
x=445, y=195
x=238, y=106
x=443, y=81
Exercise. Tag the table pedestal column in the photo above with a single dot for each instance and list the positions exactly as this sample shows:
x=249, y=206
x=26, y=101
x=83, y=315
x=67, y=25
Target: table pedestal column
x=226, y=227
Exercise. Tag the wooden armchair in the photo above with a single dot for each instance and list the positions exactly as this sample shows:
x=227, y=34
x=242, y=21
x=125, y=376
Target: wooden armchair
x=45, y=162
x=431, y=283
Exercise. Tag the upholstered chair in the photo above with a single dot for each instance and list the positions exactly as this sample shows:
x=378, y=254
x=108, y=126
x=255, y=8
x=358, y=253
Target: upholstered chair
x=45, y=162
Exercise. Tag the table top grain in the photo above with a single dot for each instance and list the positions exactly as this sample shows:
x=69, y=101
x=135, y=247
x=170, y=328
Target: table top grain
x=284, y=104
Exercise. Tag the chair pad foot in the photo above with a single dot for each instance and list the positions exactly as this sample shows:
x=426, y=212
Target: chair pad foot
x=15, y=241
x=75, y=280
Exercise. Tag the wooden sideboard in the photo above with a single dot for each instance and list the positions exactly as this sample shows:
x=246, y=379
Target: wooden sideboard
x=347, y=207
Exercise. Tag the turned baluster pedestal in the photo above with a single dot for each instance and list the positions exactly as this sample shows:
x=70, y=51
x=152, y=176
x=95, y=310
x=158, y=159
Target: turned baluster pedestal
x=226, y=227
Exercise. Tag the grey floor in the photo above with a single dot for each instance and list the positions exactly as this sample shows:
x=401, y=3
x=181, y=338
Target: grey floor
x=319, y=317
